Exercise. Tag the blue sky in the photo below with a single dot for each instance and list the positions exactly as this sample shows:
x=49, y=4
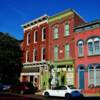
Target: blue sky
x=14, y=13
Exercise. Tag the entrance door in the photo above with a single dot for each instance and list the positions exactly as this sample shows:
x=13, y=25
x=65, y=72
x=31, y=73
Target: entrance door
x=81, y=77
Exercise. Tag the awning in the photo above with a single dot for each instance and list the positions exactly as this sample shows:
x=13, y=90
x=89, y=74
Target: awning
x=30, y=70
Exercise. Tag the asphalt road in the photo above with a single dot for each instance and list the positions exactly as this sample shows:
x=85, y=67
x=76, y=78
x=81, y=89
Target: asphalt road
x=8, y=96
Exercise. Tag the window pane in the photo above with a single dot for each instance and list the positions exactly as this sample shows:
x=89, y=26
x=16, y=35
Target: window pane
x=97, y=47
x=55, y=33
x=80, y=49
x=55, y=52
x=90, y=48
x=66, y=29
x=43, y=33
x=67, y=50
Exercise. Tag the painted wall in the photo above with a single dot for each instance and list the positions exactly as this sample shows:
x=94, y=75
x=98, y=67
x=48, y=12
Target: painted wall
x=85, y=60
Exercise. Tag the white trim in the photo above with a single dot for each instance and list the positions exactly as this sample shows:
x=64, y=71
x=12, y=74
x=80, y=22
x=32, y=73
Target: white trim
x=30, y=74
x=38, y=24
x=35, y=36
x=43, y=33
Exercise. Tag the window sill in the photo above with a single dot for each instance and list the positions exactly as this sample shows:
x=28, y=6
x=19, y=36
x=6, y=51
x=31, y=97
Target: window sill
x=67, y=35
x=80, y=56
x=94, y=55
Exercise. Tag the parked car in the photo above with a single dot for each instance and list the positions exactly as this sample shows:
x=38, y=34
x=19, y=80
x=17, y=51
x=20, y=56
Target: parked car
x=63, y=91
x=4, y=87
x=23, y=88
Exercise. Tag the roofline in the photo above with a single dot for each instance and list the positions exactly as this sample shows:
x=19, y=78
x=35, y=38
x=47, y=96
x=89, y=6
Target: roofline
x=87, y=24
x=59, y=13
x=45, y=15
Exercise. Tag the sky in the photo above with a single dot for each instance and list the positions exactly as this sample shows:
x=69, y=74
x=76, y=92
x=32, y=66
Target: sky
x=14, y=13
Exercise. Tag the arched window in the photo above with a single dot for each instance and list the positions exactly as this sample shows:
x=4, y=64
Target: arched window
x=80, y=48
x=93, y=46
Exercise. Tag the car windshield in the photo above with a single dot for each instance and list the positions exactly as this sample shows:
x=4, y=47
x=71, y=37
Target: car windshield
x=71, y=87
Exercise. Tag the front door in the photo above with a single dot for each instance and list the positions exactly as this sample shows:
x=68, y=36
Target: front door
x=81, y=77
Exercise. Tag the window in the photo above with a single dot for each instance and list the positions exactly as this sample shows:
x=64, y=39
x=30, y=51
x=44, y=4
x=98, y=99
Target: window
x=94, y=46
x=27, y=56
x=43, y=54
x=35, y=54
x=55, y=32
x=67, y=50
x=97, y=45
x=35, y=36
x=80, y=48
x=66, y=29
x=43, y=33
x=94, y=75
x=56, y=52
x=28, y=38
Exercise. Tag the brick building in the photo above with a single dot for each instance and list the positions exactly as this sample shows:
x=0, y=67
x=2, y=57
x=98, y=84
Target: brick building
x=87, y=56
x=62, y=48
x=35, y=58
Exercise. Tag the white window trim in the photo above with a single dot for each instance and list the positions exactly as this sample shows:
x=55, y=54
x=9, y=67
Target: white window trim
x=35, y=36
x=57, y=33
x=65, y=29
x=28, y=34
x=42, y=54
x=80, y=55
x=34, y=54
x=43, y=33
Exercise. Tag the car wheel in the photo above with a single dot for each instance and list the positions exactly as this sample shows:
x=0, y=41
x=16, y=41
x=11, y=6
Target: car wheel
x=46, y=94
x=67, y=96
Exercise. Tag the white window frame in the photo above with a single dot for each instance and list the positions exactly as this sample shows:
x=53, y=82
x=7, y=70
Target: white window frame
x=55, y=34
x=42, y=54
x=34, y=51
x=35, y=32
x=43, y=34
x=82, y=53
x=67, y=52
x=27, y=54
x=66, y=30
x=28, y=38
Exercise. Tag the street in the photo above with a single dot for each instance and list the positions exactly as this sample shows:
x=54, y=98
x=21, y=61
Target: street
x=8, y=96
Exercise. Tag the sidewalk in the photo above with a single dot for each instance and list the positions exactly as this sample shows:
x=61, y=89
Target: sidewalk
x=92, y=95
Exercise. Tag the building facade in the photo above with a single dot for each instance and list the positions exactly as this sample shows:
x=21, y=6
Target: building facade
x=35, y=58
x=87, y=56
x=62, y=48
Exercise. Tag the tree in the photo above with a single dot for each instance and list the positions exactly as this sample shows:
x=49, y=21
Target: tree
x=10, y=58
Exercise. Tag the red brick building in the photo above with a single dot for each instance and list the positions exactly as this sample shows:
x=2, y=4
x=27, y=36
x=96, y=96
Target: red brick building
x=87, y=56
x=61, y=46
x=35, y=52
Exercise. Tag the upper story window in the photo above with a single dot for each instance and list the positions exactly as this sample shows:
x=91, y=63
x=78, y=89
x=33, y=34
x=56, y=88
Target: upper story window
x=80, y=48
x=66, y=27
x=93, y=46
x=43, y=54
x=28, y=38
x=55, y=32
x=43, y=33
x=67, y=50
x=27, y=56
x=35, y=54
x=55, y=52
x=35, y=36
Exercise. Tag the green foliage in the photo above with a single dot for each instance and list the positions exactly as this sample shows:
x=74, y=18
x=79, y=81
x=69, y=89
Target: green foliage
x=10, y=58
